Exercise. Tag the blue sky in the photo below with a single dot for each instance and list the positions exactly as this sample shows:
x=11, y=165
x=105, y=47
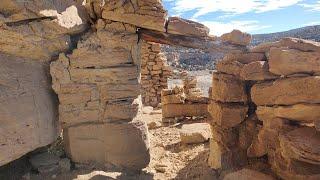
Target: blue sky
x=252, y=16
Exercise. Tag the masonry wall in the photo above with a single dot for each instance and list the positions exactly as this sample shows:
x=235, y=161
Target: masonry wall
x=154, y=73
x=265, y=106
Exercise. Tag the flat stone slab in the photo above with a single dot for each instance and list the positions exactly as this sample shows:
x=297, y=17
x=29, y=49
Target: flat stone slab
x=247, y=174
x=195, y=133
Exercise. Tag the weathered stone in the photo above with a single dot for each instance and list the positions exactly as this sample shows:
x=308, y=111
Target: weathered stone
x=122, y=110
x=110, y=75
x=28, y=108
x=244, y=58
x=317, y=124
x=195, y=133
x=228, y=137
x=180, y=26
x=224, y=158
x=257, y=71
x=227, y=88
x=237, y=37
x=43, y=159
x=265, y=47
x=229, y=67
x=65, y=165
x=291, y=61
x=305, y=113
x=124, y=145
x=301, y=144
x=247, y=131
x=227, y=115
x=300, y=44
x=287, y=91
x=145, y=14
x=292, y=169
x=259, y=146
x=173, y=99
x=113, y=92
x=184, y=110
x=247, y=174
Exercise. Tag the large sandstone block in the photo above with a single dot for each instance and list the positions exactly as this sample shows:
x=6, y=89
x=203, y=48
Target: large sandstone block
x=257, y=71
x=180, y=26
x=123, y=145
x=28, y=108
x=224, y=158
x=122, y=110
x=110, y=75
x=247, y=174
x=237, y=37
x=305, y=113
x=291, y=61
x=184, y=110
x=287, y=91
x=227, y=137
x=229, y=67
x=244, y=58
x=227, y=115
x=45, y=30
x=173, y=99
x=302, y=144
x=227, y=88
x=148, y=14
x=116, y=92
x=300, y=44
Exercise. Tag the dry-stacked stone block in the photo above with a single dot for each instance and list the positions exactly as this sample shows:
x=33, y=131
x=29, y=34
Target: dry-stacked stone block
x=154, y=73
x=186, y=101
x=281, y=82
x=229, y=105
x=99, y=94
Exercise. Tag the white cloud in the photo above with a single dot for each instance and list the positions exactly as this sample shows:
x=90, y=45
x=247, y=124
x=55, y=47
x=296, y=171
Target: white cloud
x=312, y=23
x=312, y=7
x=219, y=28
x=203, y=7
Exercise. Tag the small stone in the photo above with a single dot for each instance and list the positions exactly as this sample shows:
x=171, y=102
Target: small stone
x=195, y=133
x=65, y=165
x=43, y=159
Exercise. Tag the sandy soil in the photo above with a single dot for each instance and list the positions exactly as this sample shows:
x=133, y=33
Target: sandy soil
x=169, y=160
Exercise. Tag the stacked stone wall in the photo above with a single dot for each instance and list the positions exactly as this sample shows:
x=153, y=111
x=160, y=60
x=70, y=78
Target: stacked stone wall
x=186, y=101
x=265, y=105
x=154, y=73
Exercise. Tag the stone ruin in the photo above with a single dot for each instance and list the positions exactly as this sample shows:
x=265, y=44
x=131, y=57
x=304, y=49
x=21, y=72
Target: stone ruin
x=181, y=102
x=265, y=105
x=154, y=73
x=264, y=102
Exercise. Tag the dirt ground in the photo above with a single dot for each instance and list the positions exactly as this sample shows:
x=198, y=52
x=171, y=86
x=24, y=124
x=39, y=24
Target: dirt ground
x=169, y=160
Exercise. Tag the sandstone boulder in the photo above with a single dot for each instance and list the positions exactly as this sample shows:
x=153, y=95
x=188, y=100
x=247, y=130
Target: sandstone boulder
x=229, y=67
x=244, y=58
x=124, y=145
x=301, y=144
x=257, y=71
x=227, y=137
x=247, y=131
x=224, y=158
x=148, y=14
x=291, y=61
x=247, y=174
x=300, y=44
x=305, y=113
x=227, y=115
x=28, y=108
x=180, y=26
x=287, y=91
x=184, y=110
x=265, y=47
x=237, y=37
x=227, y=88
x=195, y=133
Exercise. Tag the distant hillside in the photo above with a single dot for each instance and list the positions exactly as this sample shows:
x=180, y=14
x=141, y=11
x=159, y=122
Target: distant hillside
x=309, y=32
x=194, y=59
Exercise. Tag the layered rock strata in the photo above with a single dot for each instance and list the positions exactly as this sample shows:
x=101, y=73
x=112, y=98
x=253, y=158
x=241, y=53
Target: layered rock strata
x=30, y=37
